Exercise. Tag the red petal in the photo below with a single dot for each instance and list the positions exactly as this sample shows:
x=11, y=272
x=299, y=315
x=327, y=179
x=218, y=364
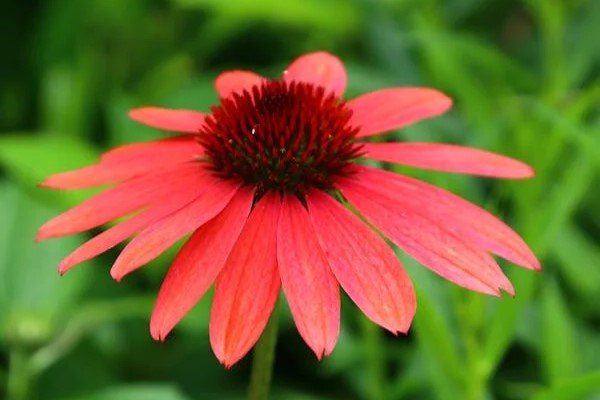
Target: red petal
x=320, y=69
x=118, y=233
x=186, y=121
x=427, y=242
x=448, y=157
x=155, y=239
x=455, y=214
x=389, y=109
x=178, y=144
x=248, y=285
x=363, y=263
x=108, y=171
x=119, y=201
x=310, y=287
x=198, y=264
x=237, y=81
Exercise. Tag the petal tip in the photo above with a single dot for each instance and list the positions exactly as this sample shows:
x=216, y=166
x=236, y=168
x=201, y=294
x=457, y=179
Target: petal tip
x=62, y=181
x=319, y=355
x=236, y=81
x=509, y=289
x=319, y=68
x=138, y=113
x=517, y=169
x=321, y=351
x=47, y=231
x=439, y=102
x=159, y=328
x=174, y=120
x=399, y=330
x=446, y=102
x=523, y=171
x=396, y=327
x=46, y=184
x=116, y=275
x=227, y=363
x=158, y=334
x=531, y=262
x=403, y=330
x=62, y=268
x=530, y=171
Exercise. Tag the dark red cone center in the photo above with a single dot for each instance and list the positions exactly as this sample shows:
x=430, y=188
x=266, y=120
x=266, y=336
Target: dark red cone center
x=285, y=136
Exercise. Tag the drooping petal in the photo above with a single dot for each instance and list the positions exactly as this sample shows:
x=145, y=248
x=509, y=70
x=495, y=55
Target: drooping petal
x=450, y=158
x=320, y=69
x=157, y=238
x=389, y=109
x=247, y=287
x=453, y=258
x=363, y=263
x=237, y=81
x=198, y=263
x=167, y=119
x=310, y=287
x=178, y=198
x=119, y=201
x=454, y=213
x=147, y=160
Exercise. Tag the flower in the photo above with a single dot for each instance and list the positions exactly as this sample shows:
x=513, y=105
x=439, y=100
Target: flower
x=262, y=183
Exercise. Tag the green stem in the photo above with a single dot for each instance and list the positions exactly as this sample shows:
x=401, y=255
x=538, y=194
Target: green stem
x=88, y=318
x=19, y=375
x=372, y=335
x=472, y=313
x=262, y=363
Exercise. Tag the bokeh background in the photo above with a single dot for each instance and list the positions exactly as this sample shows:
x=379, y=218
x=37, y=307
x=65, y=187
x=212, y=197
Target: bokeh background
x=526, y=83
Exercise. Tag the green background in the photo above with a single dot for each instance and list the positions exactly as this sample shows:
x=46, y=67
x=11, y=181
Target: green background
x=525, y=79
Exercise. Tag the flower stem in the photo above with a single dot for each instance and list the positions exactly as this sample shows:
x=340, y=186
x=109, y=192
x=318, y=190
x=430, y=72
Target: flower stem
x=374, y=359
x=472, y=312
x=19, y=375
x=262, y=363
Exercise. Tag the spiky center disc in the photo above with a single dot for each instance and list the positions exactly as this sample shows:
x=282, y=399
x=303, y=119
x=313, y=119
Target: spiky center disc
x=285, y=136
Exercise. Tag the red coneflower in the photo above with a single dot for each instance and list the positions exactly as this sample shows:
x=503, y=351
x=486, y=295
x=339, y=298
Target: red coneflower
x=262, y=184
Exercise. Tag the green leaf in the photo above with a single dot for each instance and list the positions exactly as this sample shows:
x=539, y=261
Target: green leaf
x=541, y=228
x=32, y=157
x=572, y=389
x=195, y=94
x=136, y=392
x=552, y=215
x=441, y=355
x=88, y=317
x=567, y=129
x=559, y=349
x=67, y=97
x=447, y=63
x=584, y=56
x=32, y=294
x=333, y=15
x=122, y=129
x=501, y=329
x=578, y=261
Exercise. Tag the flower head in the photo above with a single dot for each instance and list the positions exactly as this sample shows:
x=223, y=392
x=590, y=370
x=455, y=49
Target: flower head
x=262, y=184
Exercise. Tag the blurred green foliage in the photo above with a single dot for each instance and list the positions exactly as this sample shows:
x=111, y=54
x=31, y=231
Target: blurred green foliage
x=525, y=79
